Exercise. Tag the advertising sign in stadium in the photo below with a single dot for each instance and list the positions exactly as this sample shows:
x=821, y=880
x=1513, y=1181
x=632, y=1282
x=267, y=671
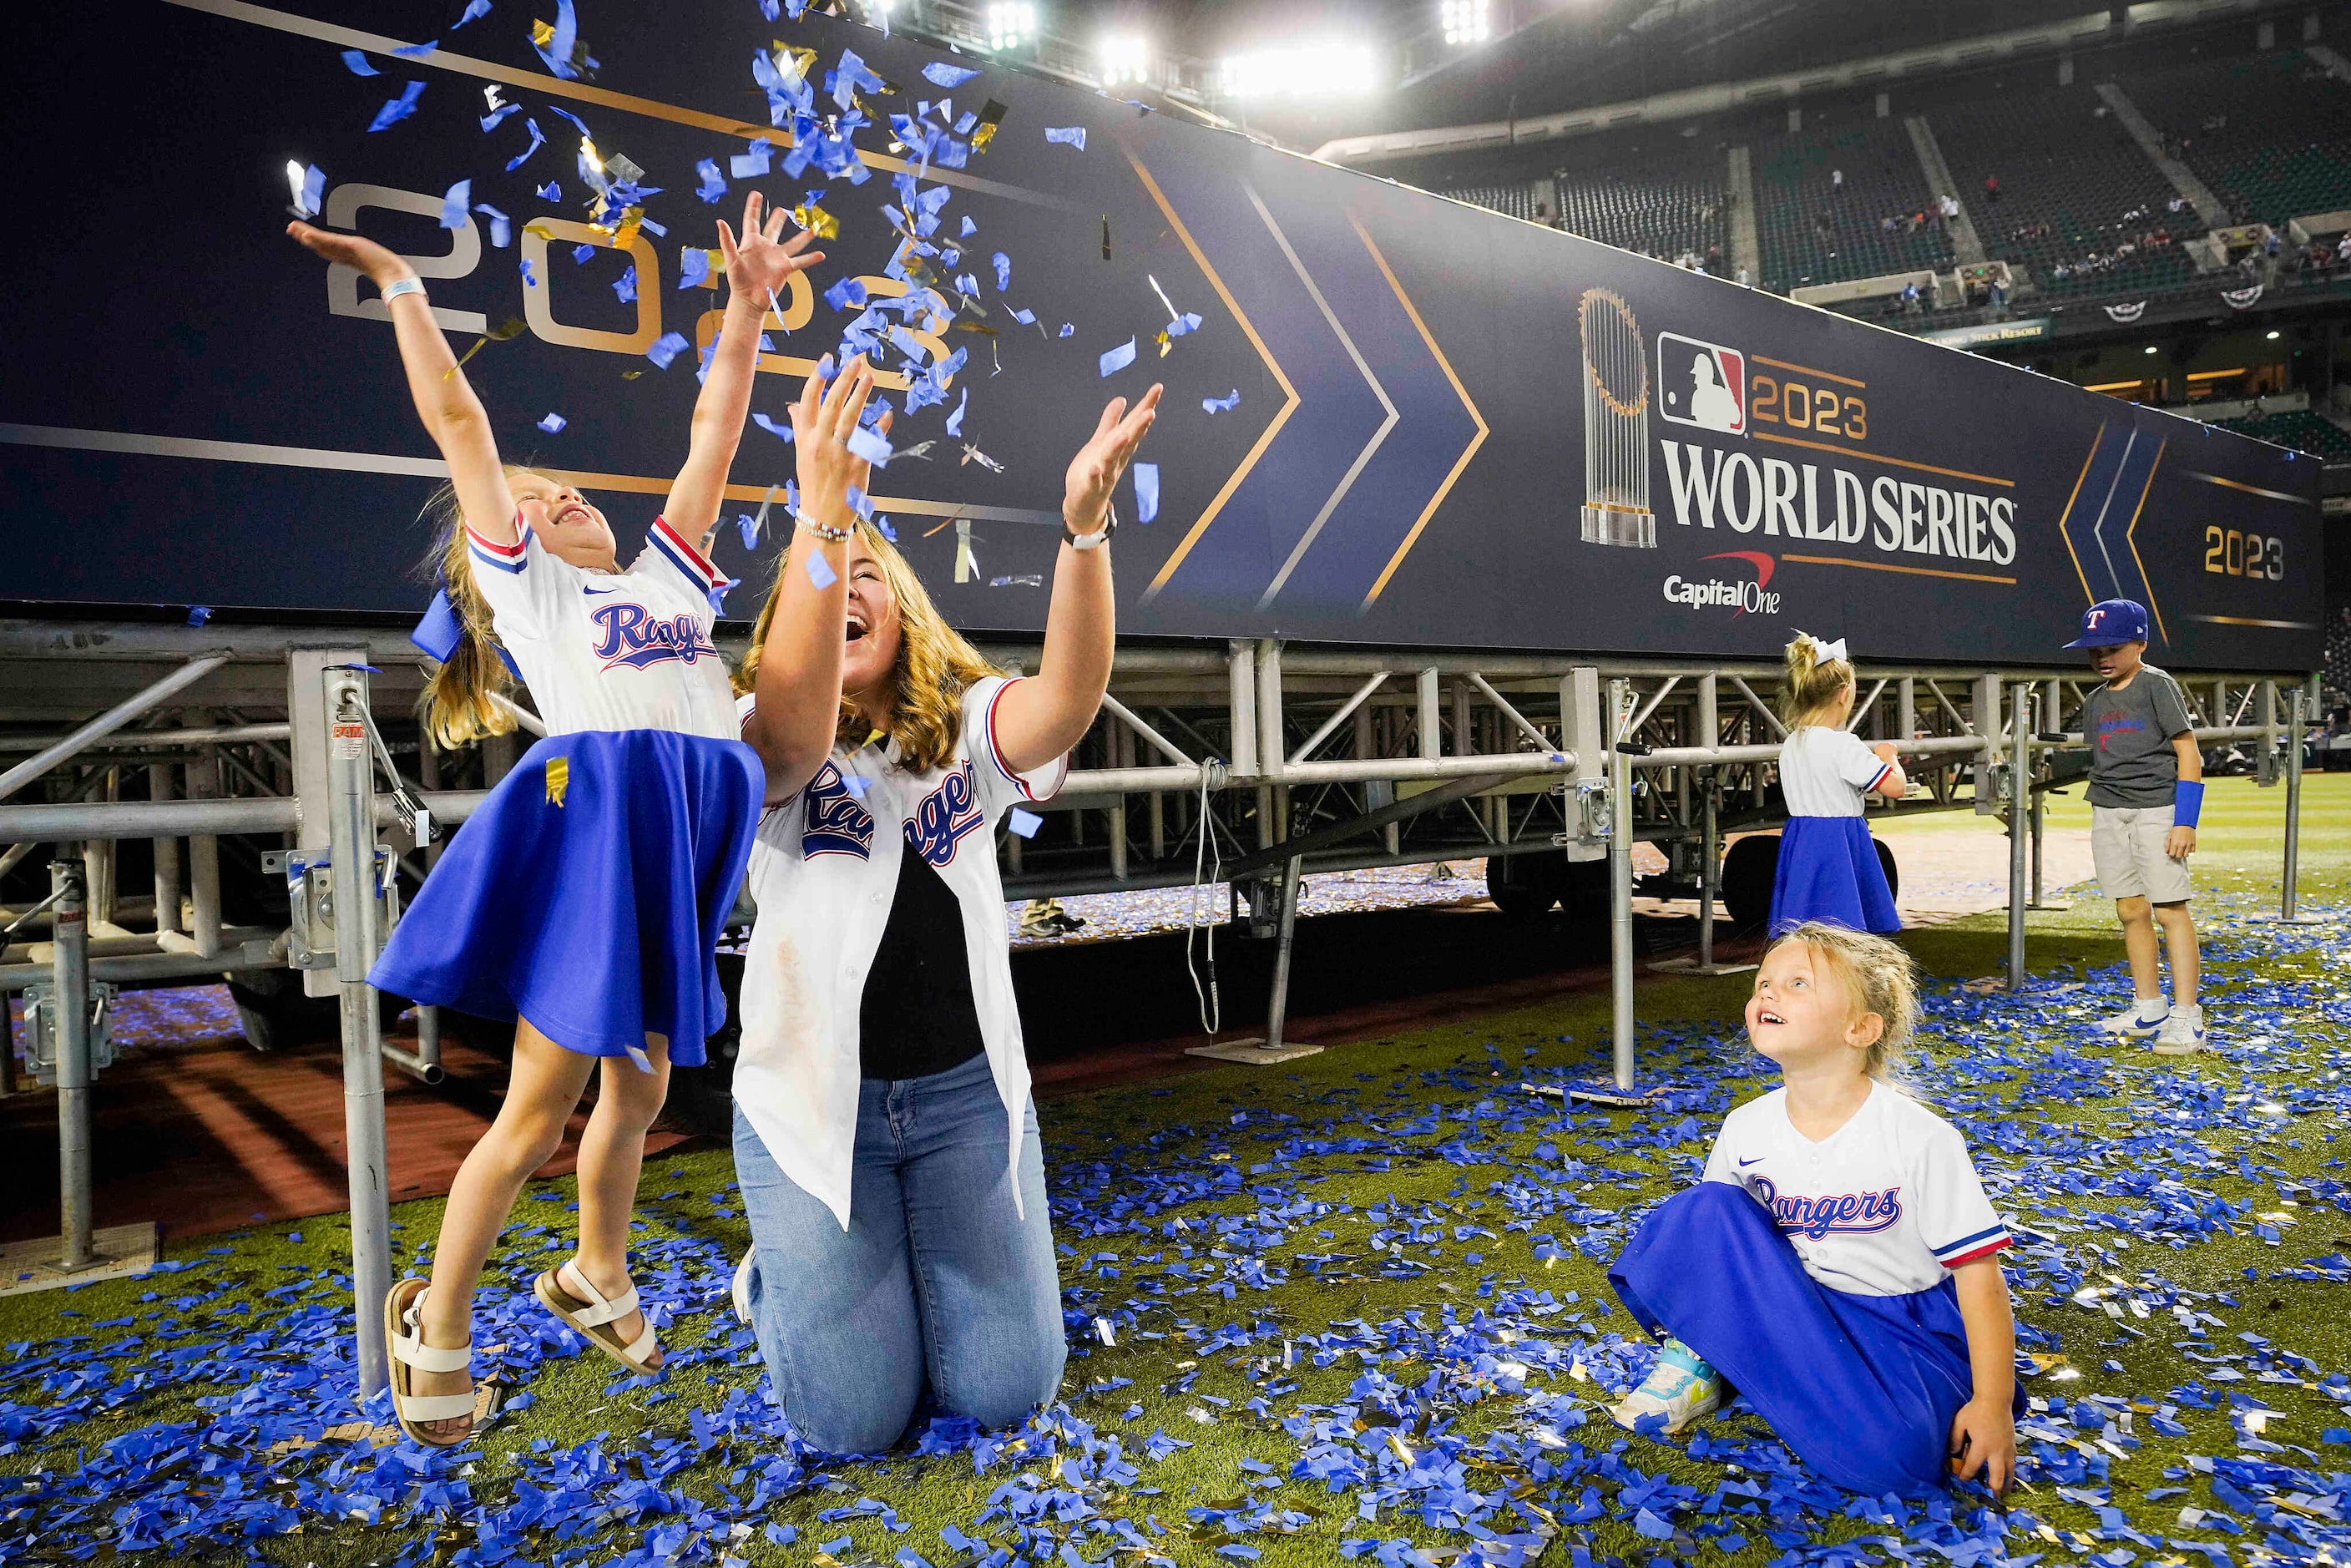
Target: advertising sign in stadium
x=1389, y=418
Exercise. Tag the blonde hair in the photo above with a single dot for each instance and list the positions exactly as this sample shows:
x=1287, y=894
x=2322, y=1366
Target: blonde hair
x=1812, y=683
x=1878, y=978
x=459, y=706
x=936, y=666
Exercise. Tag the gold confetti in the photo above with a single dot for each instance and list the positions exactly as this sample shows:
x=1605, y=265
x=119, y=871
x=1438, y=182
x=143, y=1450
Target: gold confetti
x=817, y=221
x=1164, y=343
x=558, y=778
x=505, y=332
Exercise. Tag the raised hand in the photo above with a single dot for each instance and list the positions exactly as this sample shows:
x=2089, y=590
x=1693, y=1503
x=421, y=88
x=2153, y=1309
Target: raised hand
x=380, y=264
x=1094, y=471
x=823, y=418
x=757, y=266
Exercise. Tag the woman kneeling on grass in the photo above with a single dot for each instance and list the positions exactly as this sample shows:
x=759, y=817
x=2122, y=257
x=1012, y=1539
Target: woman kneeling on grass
x=902, y=1259
x=1838, y=1264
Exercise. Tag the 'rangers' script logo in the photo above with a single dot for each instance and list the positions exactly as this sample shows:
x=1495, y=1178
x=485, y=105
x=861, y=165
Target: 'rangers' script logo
x=632, y=636
x=1846, y=1213
x=943, y=818
x=837, y=823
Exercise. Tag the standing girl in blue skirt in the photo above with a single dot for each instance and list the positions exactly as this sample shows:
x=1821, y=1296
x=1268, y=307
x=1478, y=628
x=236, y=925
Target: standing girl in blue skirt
x=583, y=900
x=1838, y=1263
x=1828, y=865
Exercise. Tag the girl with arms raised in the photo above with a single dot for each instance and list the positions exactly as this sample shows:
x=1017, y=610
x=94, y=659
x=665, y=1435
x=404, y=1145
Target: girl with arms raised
x=583, y=900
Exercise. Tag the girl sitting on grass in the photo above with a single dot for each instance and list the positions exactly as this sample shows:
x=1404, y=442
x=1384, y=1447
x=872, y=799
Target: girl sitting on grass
x=1838, y=1263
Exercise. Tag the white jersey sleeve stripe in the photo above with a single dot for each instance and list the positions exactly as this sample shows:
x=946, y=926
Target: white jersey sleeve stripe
x=1997, y=1243
x=489, y=553
x=1880, y=779
x=1996, y=1235
x=688, y=559
x=1060, y=766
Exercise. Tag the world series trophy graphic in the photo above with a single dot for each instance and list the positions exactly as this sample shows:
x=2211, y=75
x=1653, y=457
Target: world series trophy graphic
x=1615, y=424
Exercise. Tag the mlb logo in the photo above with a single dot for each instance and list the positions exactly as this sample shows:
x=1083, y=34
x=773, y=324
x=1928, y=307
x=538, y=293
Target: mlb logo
x=1704, y=385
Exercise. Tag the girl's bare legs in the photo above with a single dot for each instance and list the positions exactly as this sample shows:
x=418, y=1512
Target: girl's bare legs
x=612, y=1156
x=541, y=1093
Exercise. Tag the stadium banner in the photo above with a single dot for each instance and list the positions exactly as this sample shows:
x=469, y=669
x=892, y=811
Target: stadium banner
x=1389, y=418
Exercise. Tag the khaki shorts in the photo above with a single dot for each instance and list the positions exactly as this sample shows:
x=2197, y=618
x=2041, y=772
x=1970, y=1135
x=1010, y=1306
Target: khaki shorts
x=2126, y=846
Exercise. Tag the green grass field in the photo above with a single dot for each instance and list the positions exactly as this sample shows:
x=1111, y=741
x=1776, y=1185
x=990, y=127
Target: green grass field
x=1365, y=1293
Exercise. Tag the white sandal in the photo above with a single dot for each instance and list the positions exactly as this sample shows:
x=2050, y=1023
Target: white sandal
x=404, y=1333
x=573, y=1297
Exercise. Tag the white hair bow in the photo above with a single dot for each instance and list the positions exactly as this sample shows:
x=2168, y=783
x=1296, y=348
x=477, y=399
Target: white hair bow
x=1825, y=651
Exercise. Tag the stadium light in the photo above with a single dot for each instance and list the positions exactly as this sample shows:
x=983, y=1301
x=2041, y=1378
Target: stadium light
x=1465, y=21
x=2272, y=337
x=1324, y=71
x=1010, y=25
x=2151, y=348
x=1123, y=59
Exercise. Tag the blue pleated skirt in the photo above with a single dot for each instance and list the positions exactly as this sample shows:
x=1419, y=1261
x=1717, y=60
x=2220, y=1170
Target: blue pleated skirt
x=1829, y=871
x=588, y=891
x=1862, y=1388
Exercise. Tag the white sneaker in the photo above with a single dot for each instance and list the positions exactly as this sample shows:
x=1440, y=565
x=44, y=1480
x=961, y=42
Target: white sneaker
x=1674, y=1394
x=2182, y=1033
x=742, y=1290
x=2131, y=1022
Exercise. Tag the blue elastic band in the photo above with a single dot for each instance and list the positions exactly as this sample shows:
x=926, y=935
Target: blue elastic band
x=2187, y=801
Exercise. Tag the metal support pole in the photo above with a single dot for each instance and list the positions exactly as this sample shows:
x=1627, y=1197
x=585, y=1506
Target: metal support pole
x=70, y=973
x=1709, y=867
x=2289, y=911
x=1278, y=1007
x=110, y=721
x=351, y=804
x=428, y=1036
x=204, y=861
x=2020, y=789
x=1620, y=886
x=167, y=856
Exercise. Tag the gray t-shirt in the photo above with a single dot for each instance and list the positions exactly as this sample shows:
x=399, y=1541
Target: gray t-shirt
x=2130, y=731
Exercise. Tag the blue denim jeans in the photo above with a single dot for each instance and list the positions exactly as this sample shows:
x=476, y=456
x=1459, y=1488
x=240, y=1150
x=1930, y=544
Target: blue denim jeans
x=939, y=1297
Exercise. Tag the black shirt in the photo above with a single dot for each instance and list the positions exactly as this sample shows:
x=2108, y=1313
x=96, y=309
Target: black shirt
x=916, y=1017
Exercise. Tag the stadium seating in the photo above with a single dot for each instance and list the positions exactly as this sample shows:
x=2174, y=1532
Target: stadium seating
x=1516, y=200
x=2271, y=134
x=2304, y=429
x=1809, y=232
x=2074, y=189
x=1663, y=202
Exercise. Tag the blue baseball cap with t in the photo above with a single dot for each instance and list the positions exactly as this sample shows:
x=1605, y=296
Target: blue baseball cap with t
x=2111, y=623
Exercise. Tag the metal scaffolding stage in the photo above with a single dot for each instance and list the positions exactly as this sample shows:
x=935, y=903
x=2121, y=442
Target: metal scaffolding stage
x=250, y=765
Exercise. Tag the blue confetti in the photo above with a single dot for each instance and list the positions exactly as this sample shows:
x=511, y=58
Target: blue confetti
x=820, y=572
x=1068, y=329
x=667, y=347
x=553, y=424
x=693, y=266
x=1003, y=271
x=871, y=445
x=358, y=61
x=1225, y=404
x=713, y=184
x=749, y=527
x=537, y=140
x=968, y=228
x=397, y=109
x=501, y=229
x=1024, y=823
x=455, y=203
x=558, y=50
x=774, y=427
x=955, y=420
x=551, y=191
x=474, y=11
x=198, y=614
x=1116, y=359
x=1068, y=135
x=750, y=165
x=1147, y=492
x=625, y=285
x=938, y=73
x=440, y=632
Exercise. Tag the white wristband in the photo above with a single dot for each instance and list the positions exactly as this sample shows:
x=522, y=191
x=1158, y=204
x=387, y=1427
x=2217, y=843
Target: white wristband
x=400, y=286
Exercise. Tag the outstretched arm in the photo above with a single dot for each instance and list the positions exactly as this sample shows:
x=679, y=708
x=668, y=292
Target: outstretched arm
x=797, y=689
x=1040, y=719
x=454, y=417
x=755, y=269
x=1983, y=1433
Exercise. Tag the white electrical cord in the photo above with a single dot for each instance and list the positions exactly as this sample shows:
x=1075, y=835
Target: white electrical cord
x=1212, y=1007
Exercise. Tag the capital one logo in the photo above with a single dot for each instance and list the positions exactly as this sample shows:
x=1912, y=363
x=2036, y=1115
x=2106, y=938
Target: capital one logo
x=1701, y=384
x=1739, y=594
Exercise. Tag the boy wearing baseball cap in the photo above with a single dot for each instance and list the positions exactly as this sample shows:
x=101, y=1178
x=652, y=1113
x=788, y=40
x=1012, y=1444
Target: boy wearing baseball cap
x=2146, y=785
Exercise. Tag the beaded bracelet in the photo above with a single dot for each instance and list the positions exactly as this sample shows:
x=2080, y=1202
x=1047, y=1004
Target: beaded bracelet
x=828, y=534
